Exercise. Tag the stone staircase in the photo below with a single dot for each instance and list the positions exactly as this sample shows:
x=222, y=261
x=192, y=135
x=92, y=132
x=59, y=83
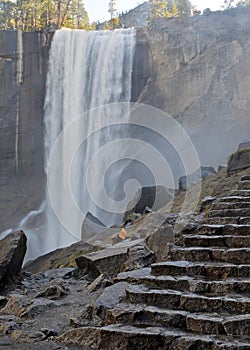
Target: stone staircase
x=199, y=298
x=233, y=209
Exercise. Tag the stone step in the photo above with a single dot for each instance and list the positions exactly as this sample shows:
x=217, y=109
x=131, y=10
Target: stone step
x=218, y=324
x=234, y=256
x=226, y=221
x=234, y=199
x=226, y=241
x=229, y=213
x=230, y=205
x=197, y=285
x=244, y=221
x=167, y=282
x=244, y=185
x=245, y=178
x=177, y=300
x=125, y=313
x=237, y=325
x=240, y=193
x=208, y=270
x=129, y=337
x=218, y=230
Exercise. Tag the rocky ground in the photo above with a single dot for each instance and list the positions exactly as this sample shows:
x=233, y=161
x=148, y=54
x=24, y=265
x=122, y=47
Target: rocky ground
x=43, y=306
x=79, y=295
x=37, y=307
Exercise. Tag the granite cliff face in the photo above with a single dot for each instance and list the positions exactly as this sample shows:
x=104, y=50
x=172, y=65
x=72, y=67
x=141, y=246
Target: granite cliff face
x=201, y=77
x=23, y=67
x=195, y=68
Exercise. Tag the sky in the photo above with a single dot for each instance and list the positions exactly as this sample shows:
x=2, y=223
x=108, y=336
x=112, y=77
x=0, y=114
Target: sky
x=98, y=9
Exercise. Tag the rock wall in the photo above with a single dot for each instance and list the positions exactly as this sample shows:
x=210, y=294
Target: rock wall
x=23, y=66
x=137, y=17
x=201, y=76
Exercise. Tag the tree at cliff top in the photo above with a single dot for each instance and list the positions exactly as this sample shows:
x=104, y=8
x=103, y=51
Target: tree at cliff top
x=166, y=9
x=29, y=15
x=184, y=7
x=161, y=9
x=112, y=24
x=243, y=3
x=112, y=8
x=114, y=21
x=228, y=4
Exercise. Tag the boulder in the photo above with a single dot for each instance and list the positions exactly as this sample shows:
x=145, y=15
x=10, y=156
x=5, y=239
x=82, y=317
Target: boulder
x=20, y=336
x=16, y=305
x=244, y=145
x=111, y=296
x=91, y=226
x=101, y=281
x=240, y=160
x=147, y=198
x=160, y=240
x=53, y=291
x=139, y=256
x=24, y=307
x=12, y=251
x=185, y=182
x=107, y=261
x=9, y=323
x=38, y=306
x=121, y=257
x=94, y=232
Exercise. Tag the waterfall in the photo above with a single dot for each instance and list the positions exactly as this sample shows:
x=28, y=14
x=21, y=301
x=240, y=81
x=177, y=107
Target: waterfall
x=87, y=70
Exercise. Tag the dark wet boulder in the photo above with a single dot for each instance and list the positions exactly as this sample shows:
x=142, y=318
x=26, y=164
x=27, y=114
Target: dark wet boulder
x=149, y=198
x=91, y=226
x=120, y=257
x=12, y=251
x=185, y=182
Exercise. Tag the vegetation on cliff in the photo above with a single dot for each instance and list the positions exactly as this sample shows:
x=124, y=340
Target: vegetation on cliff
x=166, y=9
x=231, y=3
x=30, y=15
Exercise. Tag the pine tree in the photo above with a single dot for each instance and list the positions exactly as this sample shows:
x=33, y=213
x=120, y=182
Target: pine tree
x=29, y=15
x=228, y=4
x=160, y=10
x=174, y=10
x=243, y=3
x=184, y=8
x=164, y=9
x=112, y=8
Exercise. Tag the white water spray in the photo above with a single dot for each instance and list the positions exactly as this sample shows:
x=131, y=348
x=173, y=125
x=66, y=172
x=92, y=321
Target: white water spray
x=86, y=70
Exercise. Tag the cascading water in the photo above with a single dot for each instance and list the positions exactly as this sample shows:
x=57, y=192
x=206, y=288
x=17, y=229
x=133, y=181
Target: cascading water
x=87, y=69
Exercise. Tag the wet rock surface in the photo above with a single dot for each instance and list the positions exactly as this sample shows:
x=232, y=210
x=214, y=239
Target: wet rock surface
x=12, y=252
x=41, y=307
x=197, y=299
x=239, y=160
x=121, y=257
x=23, y=67
x=60, y=258
x=121, y=298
